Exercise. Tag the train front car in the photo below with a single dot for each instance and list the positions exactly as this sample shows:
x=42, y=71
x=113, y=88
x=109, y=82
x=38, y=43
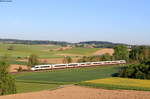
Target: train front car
x=33, y=68
x=40, y=67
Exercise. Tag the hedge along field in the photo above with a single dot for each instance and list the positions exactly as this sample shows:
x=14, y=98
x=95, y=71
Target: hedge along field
x=118, y=83
x=68, y=75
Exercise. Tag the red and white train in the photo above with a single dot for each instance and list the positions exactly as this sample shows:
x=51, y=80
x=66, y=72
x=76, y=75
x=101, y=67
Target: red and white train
x=70, y=65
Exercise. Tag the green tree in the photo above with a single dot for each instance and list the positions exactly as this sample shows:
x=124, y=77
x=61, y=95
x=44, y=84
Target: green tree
x=7, y=83
x=139, y=71
x=67, y=59
x=121, y=52
x=106, y=57
x=33, y=60
x=140, y=53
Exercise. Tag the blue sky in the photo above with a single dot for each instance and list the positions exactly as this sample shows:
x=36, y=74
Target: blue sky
x=125, y=21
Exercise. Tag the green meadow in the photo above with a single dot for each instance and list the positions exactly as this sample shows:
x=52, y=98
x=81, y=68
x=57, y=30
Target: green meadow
x=97, y=77
x=36, y=81
x=43, y=51
x=31, y=87
x=66, y=76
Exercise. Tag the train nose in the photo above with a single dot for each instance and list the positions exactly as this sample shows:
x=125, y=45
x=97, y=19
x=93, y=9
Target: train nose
x=33, y=69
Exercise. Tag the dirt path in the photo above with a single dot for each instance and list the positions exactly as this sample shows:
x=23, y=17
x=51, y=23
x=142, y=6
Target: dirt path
x=77, y=92
x=14, y=67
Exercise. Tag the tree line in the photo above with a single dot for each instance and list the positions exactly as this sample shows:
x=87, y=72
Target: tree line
x=138, y=57
x=95, y=44
x=121, y=52
x=33, y=42
x=138, y=71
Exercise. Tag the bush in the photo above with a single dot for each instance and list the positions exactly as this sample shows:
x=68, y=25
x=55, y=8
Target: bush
x=33, y=60
x=19, y=69
x=7, y=83
x=139, y=71
x=67, y=59
x=10, y=48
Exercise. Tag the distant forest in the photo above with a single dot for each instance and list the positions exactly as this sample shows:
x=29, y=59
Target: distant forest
x=102, y=44
x=96, y=44
x=32, y=42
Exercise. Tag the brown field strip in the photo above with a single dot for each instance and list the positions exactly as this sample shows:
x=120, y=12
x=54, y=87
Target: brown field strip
x=77, y=92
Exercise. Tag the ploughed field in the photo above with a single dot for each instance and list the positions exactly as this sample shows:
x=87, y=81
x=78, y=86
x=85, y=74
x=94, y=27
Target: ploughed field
x=77, y=92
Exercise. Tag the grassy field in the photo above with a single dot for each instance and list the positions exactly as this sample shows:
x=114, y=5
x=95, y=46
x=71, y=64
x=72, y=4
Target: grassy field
x=19, y=62
x=118, y=83
x=97, y=77
x=31, y=87
x=36, y=81
x=80, y=51
x=21, y=50
x=43, y=51
x=68, y=75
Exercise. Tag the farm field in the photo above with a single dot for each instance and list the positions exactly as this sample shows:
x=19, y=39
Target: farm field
x=118, y=83
x=31, y=87
x=28, y=81
x=68, y=75
x=78, y=92
x=104, y=51
x=44, y=51
x=81, y=51
x=14, y=67
x=21, y=50
x=43, y=60
x=46, y=82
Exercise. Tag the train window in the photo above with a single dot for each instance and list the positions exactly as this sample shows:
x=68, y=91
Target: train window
x=96, y=63
x=59, y=65
x=45, y=66
x=72, y=64
x=88, y=63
